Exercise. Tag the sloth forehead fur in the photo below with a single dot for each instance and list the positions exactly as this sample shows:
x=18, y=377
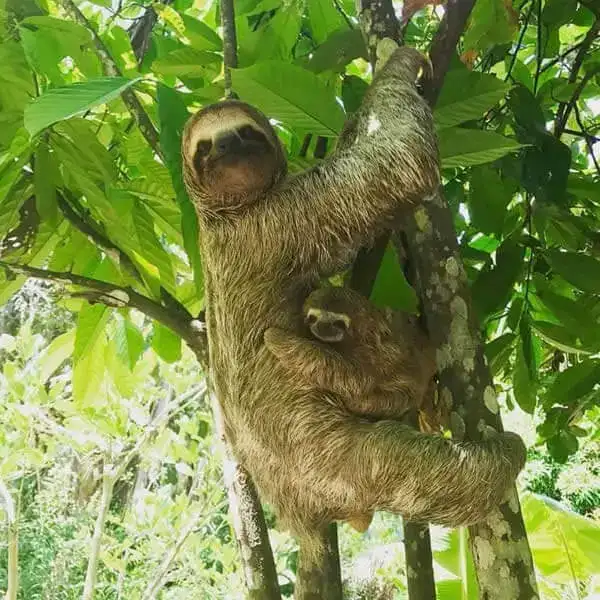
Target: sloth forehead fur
x=225, y=116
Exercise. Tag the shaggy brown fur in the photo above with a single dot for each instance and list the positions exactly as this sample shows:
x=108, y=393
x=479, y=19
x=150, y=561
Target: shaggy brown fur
x=380, y=363
x=265, y=248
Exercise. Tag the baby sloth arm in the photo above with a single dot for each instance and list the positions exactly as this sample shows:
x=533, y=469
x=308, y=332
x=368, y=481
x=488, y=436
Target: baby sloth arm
x=318, y=364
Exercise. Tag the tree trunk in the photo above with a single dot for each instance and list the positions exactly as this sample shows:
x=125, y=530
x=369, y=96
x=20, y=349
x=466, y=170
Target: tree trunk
x=12, y=574
x=108, y=485
x=248, y=522
x=322, y=580
x=500, y=547
x=419, y=561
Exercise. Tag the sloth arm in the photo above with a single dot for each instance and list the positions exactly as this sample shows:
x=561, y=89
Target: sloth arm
x=318, y=364
x=387, y=157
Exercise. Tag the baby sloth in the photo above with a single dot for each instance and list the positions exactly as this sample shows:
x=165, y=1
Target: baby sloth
x=378, y=361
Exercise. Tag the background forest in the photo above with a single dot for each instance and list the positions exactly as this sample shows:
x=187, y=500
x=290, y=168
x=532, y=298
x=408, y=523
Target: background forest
x=110, y=473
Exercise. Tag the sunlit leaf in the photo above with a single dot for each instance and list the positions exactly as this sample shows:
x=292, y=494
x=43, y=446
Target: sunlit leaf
x=166, y=343
x=65, y=102
x=467, y=95
x=468, y=147
x=279, y=90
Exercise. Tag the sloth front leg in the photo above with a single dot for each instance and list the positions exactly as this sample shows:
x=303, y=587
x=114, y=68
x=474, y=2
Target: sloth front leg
x=318, y=365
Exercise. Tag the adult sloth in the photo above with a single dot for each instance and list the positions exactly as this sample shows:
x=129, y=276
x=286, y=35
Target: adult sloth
x=266, y=239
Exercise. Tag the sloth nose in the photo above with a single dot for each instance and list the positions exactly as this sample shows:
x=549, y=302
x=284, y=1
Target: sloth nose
x=226, y=142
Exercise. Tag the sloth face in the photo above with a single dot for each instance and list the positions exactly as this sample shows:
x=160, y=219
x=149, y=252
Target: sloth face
x=233, y=153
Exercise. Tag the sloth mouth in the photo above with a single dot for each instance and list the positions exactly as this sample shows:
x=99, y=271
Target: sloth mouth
x=328, y=332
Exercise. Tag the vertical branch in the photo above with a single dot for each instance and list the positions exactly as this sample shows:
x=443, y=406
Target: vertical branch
x=499, y=553
x=248, y=518
x=229, y=43
x=13, y=542
x=108, y=485
x=110, y=67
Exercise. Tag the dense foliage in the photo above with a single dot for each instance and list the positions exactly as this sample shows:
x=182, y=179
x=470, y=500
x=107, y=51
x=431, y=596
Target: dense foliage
x=106, y=451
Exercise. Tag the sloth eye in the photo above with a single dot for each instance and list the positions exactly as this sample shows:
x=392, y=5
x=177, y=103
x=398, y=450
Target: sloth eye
x=311, y=319
x=249, y=134
x=203, y=147
x=340, y=324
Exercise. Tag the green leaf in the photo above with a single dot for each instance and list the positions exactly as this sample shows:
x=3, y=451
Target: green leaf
x=89, y=370
x=64, y=102
x=468, y=147
x=560, y=337
x=524, y=387
x=498, y=351
x=129, y=342
x=391, y=288
x=173, y=114
x=324, y=19
x=166, y=343
x=573, y=383
x=188, y=62
x=489, y=196
x=201, y=36
x=581, y=270
x=565, y=545
x=91, y=322
x=493, y=288
x=59, y=350
x=151, y=248
x=170, y=16
x=279, y=90
x=467, y=95
x=45, y=184
x=491, y=22
x=338, y=50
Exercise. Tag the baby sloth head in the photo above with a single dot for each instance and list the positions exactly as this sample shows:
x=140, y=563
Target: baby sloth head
x=231, y=155
x=338, y=314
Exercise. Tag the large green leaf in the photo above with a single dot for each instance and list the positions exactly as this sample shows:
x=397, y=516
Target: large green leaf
x=582, y=270
x=391, y=288
x=166, y=343
x=280, y=91
x=324, y=19
x=565, y=545
x=488, y=197
x=493, y=288
x=525, y=374
x=91, y=322
x=173, y=114
x=573, y=383
x=467, y=95
x=129, y=343
x=188, y=62
x=468, y=147
x=55, y=354
x=64, y=102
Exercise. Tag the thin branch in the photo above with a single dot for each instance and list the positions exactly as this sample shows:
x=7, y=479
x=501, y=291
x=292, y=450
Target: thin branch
x=229, y=43
x=444, y=44
x=519, y=43
x=561, y=121
x=141, y=30
x=538, y=47
x=92, y=230
x=564, y=109
x=588, y=138
x=110, y=68
x=189, y=329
